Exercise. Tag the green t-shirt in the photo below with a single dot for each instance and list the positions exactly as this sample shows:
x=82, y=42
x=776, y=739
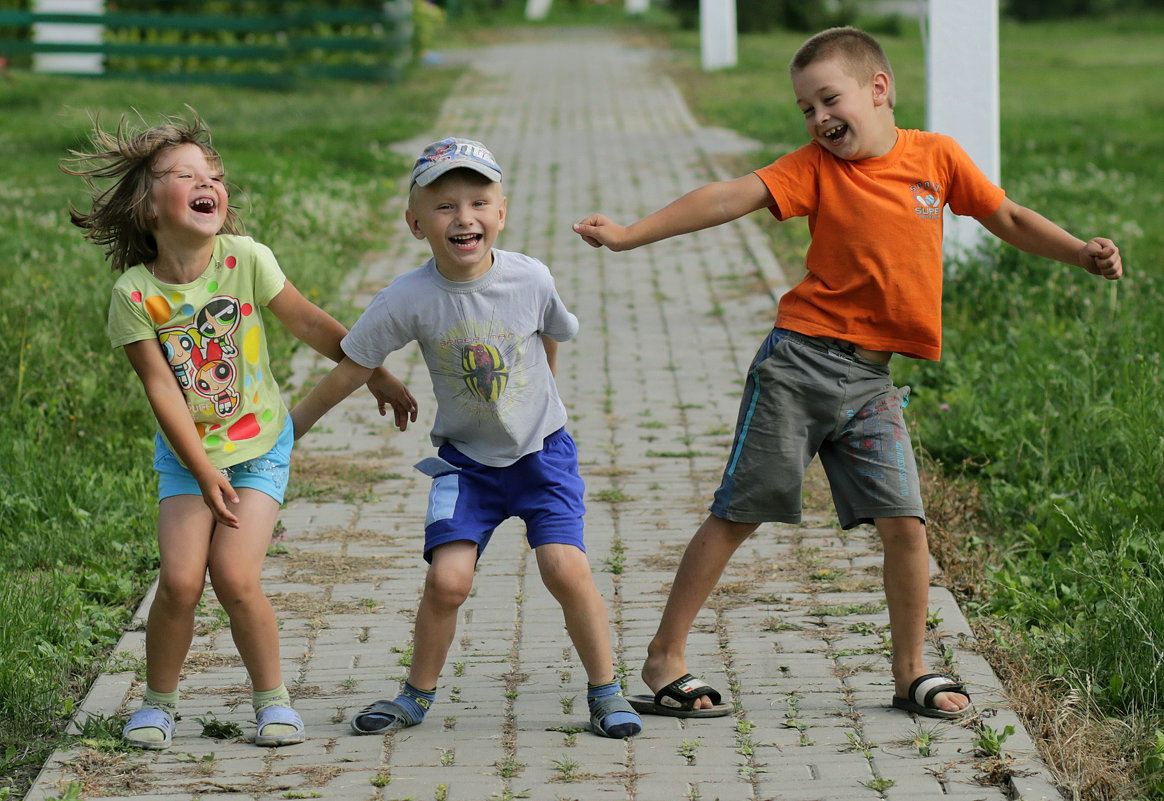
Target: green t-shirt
x=211, y=332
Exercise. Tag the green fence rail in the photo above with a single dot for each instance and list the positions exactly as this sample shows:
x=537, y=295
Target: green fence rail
x=251, y=43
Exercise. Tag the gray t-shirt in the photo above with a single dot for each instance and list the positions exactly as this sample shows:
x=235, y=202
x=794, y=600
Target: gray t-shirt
x=496, y=398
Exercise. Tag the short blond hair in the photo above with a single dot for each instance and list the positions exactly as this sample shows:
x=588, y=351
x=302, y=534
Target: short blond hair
x=860, y=55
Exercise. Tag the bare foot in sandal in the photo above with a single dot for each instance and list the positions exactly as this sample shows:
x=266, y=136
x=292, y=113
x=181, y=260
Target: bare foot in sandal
x=667, y=679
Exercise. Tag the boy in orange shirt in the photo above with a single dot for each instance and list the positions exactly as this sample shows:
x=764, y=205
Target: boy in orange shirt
x=873, y=194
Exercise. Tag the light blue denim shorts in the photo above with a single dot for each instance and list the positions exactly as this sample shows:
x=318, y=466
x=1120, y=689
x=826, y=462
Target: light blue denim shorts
x=267, y=473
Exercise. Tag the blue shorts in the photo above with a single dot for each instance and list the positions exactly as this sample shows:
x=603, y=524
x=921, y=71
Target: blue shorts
x=267, y=473
x=468, y=500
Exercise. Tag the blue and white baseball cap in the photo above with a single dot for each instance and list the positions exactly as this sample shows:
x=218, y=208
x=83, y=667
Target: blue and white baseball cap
x=451, y=154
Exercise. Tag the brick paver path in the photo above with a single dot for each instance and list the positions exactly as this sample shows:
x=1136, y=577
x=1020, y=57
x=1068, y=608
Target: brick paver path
x=795, y=636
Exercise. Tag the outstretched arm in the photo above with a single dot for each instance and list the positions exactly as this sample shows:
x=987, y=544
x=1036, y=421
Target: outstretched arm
x=709, y=205
x=312, y=325
x=342, y=381
x=1030, y=231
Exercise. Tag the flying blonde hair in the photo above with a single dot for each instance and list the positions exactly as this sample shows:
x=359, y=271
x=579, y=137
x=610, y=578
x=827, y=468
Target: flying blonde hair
x=121, y=215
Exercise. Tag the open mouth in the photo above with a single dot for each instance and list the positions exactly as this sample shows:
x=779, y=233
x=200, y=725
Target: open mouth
x=204, y=205
x=466, y=241
x=836, y=134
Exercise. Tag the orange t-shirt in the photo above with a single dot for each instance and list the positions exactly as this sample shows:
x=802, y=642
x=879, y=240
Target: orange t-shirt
x=875, y=262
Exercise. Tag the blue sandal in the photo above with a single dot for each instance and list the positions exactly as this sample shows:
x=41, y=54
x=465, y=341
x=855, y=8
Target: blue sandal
x=603, y=708
x=279, y=715
x=149, y=717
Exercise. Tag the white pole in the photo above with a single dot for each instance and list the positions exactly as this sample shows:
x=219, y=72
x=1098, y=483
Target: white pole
x=537, y=9
x=962, y=92
x=717, y=33
x=60, y=33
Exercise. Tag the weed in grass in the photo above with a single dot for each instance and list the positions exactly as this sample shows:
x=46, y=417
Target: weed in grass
x=616, y=562
x=989, y=742
x=924, y=740
x=508, y=767
x=1152, y=766
x=72, y=793
x=688, y=749
x=216, y=729
x=879, y=784
x=195, y=758
x=405, y=659
x=567, y=770
x=102, y=727
x=381, y=779
x=622, y=672
x=277, y=547
x=933, y=619
x=744, y=744
x=859, y=744
x=612, y=496
x=846, y=610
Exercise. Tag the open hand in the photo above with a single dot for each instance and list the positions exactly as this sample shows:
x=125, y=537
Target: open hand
x=390, y=391
x=597, y=230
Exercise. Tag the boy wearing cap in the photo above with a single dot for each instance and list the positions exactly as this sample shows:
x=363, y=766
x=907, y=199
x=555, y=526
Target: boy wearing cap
x=488, y=323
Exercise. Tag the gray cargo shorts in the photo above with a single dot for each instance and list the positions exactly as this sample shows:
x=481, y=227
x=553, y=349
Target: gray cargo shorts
x=806, y=396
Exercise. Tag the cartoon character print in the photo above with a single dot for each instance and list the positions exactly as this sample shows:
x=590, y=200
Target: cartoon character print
x=485, y=370
x=217, y=320
x=202, y=355
x=179, y=344
x=214, y=379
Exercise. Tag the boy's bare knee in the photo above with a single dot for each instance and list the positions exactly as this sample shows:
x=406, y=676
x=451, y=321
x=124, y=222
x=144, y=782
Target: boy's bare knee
x=566, y=578
x=447, y=588
x=902, y=532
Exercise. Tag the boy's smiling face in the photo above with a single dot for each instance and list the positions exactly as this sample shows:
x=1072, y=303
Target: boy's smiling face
x=850, y=120
x=460, y=214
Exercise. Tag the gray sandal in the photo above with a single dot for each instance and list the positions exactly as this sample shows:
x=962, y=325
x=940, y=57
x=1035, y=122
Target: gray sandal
x=603, y=708
x=370, y=719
